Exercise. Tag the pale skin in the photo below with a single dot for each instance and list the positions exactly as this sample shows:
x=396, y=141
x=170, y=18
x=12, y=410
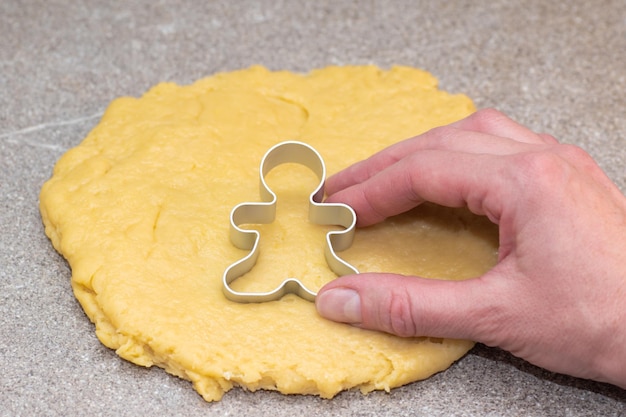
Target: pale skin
x=557, y=295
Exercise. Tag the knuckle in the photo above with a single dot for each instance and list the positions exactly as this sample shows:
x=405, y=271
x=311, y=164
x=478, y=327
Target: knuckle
x=575, y=154
x=401, y=319
x=490, y=116
x=541, y=170
x=551, y=168
x=437, y=136
x=375, y=210
x=548, y=138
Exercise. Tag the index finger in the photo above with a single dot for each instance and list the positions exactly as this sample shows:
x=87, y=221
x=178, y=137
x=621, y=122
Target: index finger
x=452, y=179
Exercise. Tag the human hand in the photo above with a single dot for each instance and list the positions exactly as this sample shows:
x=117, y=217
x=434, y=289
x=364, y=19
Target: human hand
x=556, y=297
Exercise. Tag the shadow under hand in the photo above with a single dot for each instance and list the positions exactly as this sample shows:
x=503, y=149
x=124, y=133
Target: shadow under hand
x=499, y=355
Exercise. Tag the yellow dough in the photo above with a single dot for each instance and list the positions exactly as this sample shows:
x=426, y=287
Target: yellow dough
x=140, y=211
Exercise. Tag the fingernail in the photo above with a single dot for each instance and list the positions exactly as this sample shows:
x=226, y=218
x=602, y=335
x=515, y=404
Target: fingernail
x=341, y=305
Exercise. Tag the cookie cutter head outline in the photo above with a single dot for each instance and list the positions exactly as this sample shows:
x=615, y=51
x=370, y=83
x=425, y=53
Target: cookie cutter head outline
x=265, y=211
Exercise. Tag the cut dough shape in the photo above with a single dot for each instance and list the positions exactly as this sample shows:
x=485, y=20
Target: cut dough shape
x=140, y=211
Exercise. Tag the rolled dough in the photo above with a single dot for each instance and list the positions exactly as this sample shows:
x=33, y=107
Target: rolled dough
x=140, y=211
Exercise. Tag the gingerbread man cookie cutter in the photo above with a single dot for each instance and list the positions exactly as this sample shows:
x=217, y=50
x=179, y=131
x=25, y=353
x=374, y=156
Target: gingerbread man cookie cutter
x=265, y=211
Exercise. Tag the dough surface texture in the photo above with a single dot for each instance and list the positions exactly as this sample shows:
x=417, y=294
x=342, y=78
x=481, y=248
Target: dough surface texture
x=140, y=211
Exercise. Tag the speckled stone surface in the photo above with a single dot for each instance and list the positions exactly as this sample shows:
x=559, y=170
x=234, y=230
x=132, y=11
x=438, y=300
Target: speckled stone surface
x=559, y=67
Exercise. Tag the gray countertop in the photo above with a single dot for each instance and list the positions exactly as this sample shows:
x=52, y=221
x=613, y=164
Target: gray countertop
x=559, y=67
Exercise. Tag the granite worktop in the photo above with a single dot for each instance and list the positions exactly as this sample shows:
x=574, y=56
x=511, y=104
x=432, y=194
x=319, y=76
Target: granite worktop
x=559, y=67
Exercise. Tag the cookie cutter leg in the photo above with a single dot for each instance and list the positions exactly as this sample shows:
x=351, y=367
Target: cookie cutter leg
x=265, y=211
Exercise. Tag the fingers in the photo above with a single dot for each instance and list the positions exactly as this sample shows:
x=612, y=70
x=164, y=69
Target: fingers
x=410, y=306
x=452, y=179
x=486, y=131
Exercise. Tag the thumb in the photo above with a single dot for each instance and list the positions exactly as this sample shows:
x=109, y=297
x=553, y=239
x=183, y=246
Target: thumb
x=410, y=306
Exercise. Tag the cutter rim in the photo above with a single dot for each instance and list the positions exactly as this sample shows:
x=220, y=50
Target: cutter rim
x=264, y=212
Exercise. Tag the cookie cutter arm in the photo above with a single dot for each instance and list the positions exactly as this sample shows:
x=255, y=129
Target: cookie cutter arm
x=265, y=211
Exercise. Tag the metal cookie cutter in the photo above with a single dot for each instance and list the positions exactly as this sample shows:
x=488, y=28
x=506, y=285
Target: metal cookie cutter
x=265, y=211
